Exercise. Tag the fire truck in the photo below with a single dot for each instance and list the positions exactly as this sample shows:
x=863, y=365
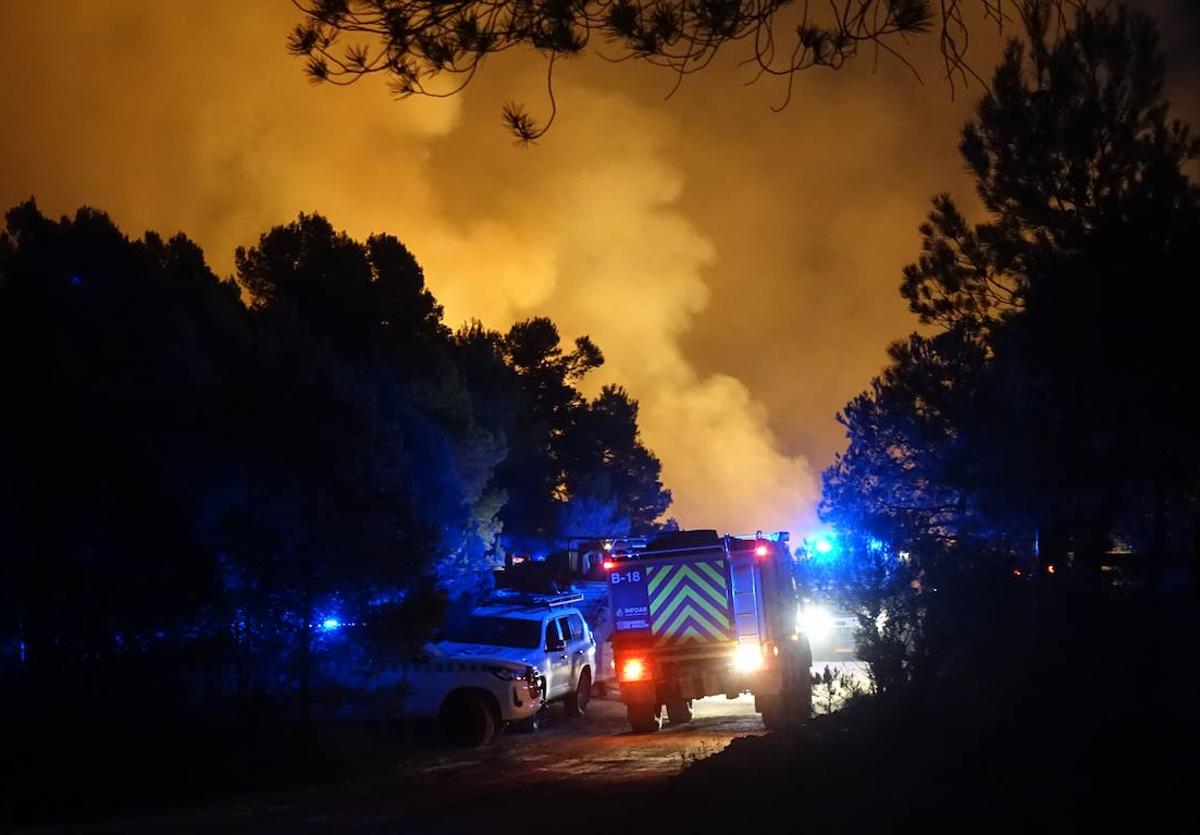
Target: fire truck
x=695, y=614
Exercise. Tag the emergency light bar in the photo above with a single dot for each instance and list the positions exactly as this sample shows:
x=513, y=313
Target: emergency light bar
x=778, y=536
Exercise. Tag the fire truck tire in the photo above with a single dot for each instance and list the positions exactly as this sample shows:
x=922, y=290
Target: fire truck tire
x=679, y=713
x=644, y=718
x=468, y=719
x=774, y=715
x=798, y=702
x=577, y=701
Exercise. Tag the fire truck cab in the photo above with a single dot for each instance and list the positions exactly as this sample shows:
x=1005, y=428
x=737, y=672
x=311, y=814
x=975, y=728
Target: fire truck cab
x=695, y=614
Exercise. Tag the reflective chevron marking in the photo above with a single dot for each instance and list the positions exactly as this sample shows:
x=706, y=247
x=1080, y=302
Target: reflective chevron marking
x=715, y=575
x=689, y=634
x=657, y=576
x=691, y=623
x=689, y=602
x=687, y=574
x=687, y=595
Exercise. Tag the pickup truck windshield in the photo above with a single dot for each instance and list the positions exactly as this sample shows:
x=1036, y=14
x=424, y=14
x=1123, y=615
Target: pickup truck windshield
x=503, y=632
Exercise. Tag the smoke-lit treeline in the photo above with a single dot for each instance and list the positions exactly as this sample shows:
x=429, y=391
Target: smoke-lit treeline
x=738, y=266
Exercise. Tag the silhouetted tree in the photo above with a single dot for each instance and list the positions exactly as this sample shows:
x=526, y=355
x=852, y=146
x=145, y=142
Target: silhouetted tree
x=901, y=476
x=435, y=49
x=608, y=466
x=355, y=294
x=369, y=304
x=200, y=481
x=1048, y=406
x=533, y=475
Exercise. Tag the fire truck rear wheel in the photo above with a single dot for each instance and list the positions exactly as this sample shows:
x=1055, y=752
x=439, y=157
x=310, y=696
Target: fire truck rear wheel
x=774, y=716
x=680, y=712
x=644, y=718
x=797, y=700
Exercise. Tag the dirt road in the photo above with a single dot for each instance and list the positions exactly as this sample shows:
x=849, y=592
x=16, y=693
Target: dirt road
x=569, y=776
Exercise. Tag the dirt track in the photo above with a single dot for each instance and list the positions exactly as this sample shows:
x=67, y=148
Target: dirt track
x=569, y=775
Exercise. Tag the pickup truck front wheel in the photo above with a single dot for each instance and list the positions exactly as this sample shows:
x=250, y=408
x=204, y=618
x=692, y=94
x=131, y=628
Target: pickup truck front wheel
x=468, y=719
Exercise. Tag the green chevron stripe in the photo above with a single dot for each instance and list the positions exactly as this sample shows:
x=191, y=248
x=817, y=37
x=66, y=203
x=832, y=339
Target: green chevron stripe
x=689, y=634
x=717, y=593
x=686, y=594
x=678, y=573
x=712, y=571
x=686, y=573
x=690, y=611
x=658, y=573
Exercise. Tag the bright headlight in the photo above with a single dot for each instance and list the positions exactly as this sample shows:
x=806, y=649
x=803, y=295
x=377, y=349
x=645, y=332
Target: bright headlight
x=747, y=658
x=817, y=623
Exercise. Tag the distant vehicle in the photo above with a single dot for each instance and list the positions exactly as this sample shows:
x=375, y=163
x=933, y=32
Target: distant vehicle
x=831, y=631
x=472, y=699
x=696, y=614
x=547, y=633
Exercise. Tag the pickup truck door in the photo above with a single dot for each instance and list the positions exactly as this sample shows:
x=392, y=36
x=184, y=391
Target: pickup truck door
x=558, y=661
x=578, y=644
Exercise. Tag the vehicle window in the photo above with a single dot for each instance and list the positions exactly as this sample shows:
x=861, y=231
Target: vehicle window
x=577, y=630
x=552, y=632
x=497, y=631
x=567, y=632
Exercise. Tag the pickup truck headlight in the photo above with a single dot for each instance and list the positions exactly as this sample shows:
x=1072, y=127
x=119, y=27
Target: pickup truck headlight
x=506, y=673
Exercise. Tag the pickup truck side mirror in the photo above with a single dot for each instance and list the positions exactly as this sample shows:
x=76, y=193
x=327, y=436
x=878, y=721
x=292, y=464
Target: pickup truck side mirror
x=555, y=645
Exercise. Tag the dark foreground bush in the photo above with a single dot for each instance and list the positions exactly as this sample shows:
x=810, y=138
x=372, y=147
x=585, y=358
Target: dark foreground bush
x=1074, y=711
x=88, y=765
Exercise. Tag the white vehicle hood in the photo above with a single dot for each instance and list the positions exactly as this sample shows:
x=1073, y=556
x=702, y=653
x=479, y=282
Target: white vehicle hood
x=487, y=652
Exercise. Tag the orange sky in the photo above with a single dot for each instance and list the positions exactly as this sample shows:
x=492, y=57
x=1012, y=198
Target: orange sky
x=739, y=268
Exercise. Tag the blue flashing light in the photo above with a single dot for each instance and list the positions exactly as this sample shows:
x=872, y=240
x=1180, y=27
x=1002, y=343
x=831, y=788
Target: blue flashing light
x=875, y=545
x=821, y=546
x=330, y=624
x=76, y=281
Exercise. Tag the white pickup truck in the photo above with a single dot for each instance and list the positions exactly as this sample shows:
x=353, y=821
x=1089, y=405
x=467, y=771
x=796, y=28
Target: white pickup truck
x=472, y=699
x=548, y=634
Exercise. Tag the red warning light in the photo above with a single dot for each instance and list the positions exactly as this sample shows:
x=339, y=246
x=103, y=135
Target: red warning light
x=609, y=565
x=761, y=550
x=633, y=669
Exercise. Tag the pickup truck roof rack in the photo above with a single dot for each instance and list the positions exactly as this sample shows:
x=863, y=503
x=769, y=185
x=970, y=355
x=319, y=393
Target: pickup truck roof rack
x=550, y=601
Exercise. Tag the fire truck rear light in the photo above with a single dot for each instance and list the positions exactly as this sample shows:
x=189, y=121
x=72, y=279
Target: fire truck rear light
x=633, y=669
x=747, y=658
x=609, y=565
x=761, y=550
